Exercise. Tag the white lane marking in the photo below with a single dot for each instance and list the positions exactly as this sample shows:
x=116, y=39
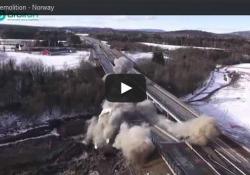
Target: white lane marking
x=210, y=165
x=232, y=155
x=246, y=149
x=175, y=100
x=230, y=163
x=165, y=109
x=163, y=158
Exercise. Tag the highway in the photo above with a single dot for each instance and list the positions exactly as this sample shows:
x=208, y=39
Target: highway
x=221, y=156
x=233, y=154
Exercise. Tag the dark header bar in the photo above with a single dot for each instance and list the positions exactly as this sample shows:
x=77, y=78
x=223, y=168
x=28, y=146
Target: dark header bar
x=126, y=7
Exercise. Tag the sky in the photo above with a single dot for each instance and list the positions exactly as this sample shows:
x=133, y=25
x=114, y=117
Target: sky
x=216, y=24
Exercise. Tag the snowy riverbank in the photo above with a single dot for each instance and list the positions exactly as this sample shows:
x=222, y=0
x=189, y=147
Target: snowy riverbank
x=229, y=105
x=70, y=60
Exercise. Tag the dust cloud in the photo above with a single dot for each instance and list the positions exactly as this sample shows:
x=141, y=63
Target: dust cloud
x=116, y=126
x=135, y=142
x=122, y=65
x=197, y=131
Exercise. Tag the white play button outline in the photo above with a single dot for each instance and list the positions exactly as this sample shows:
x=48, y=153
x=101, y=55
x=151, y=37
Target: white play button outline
x=125, y=88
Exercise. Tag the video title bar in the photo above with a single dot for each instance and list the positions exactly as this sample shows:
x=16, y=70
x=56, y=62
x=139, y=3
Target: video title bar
x=125, y=7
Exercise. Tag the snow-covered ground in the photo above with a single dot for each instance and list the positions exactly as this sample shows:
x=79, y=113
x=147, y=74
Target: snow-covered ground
x=11, y=124
x=174, y=47
x=82, y=34
x=140, y=56
x=230, y=105
x=218, y=78
x=59, y=61
x=7, y=47
x=105, y=43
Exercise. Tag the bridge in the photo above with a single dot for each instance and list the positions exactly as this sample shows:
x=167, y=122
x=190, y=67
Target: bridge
x=221, y=156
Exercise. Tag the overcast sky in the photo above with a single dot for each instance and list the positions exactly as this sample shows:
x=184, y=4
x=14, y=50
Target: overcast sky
x=217, y=24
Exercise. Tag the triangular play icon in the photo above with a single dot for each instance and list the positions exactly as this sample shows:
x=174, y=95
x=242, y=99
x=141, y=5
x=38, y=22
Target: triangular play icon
x=125, y=88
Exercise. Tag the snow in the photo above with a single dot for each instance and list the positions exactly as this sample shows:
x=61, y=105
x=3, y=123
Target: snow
x=140, y=56
x=27, y=139
x=82, y=34
x=59, y=61
x=243, y=68
x=55, y=132
x=105, y=43
x=11, y=124
x=7, y=47
x=217, y=79
x=230, y=105
x=174, y=47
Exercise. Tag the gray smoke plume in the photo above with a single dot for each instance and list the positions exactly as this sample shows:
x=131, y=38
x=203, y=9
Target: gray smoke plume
x=115, y=118
x=90, y=132
x=122, y=65
x=112, y=124
x=135, y=142
x=95, y=131
x=104, y=128
x=198, y=131
x=147, y=109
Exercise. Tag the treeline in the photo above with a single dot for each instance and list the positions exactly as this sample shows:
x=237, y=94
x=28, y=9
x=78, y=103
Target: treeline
x=45, y=37
x=33, y=89
x=183, y=38
x=186, y=69
x=18, y=32
x=56, y=39
x=132, y=46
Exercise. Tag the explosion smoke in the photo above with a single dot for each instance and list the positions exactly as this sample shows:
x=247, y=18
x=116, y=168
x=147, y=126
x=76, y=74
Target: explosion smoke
x=113, y=123
x=122, y=65
x=135, y=142
x=90, y=132
x=94, y=132
x=197, y=131
x=147, y=109
x=108, y=123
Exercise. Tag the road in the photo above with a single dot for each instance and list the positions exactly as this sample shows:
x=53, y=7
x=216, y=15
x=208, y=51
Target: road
x=231, y=152
x=221, y=156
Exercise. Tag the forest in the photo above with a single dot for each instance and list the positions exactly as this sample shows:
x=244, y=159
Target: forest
x=186, y=69
x=32, y=88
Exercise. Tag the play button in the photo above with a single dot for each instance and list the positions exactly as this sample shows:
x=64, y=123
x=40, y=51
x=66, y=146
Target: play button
x=125, y=88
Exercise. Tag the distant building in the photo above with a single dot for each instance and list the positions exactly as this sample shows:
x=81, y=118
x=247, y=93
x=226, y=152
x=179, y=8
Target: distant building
x=57, y=51
x=16, y=44
x=63, y=43
x=45, y=52
x=26, y=44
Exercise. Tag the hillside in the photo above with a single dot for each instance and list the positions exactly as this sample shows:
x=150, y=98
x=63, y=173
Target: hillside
x=244, y=34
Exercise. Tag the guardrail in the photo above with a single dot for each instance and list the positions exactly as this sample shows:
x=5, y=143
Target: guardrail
x=180, y=112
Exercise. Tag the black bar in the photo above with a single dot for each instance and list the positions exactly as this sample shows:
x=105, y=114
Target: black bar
x=131, y=7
